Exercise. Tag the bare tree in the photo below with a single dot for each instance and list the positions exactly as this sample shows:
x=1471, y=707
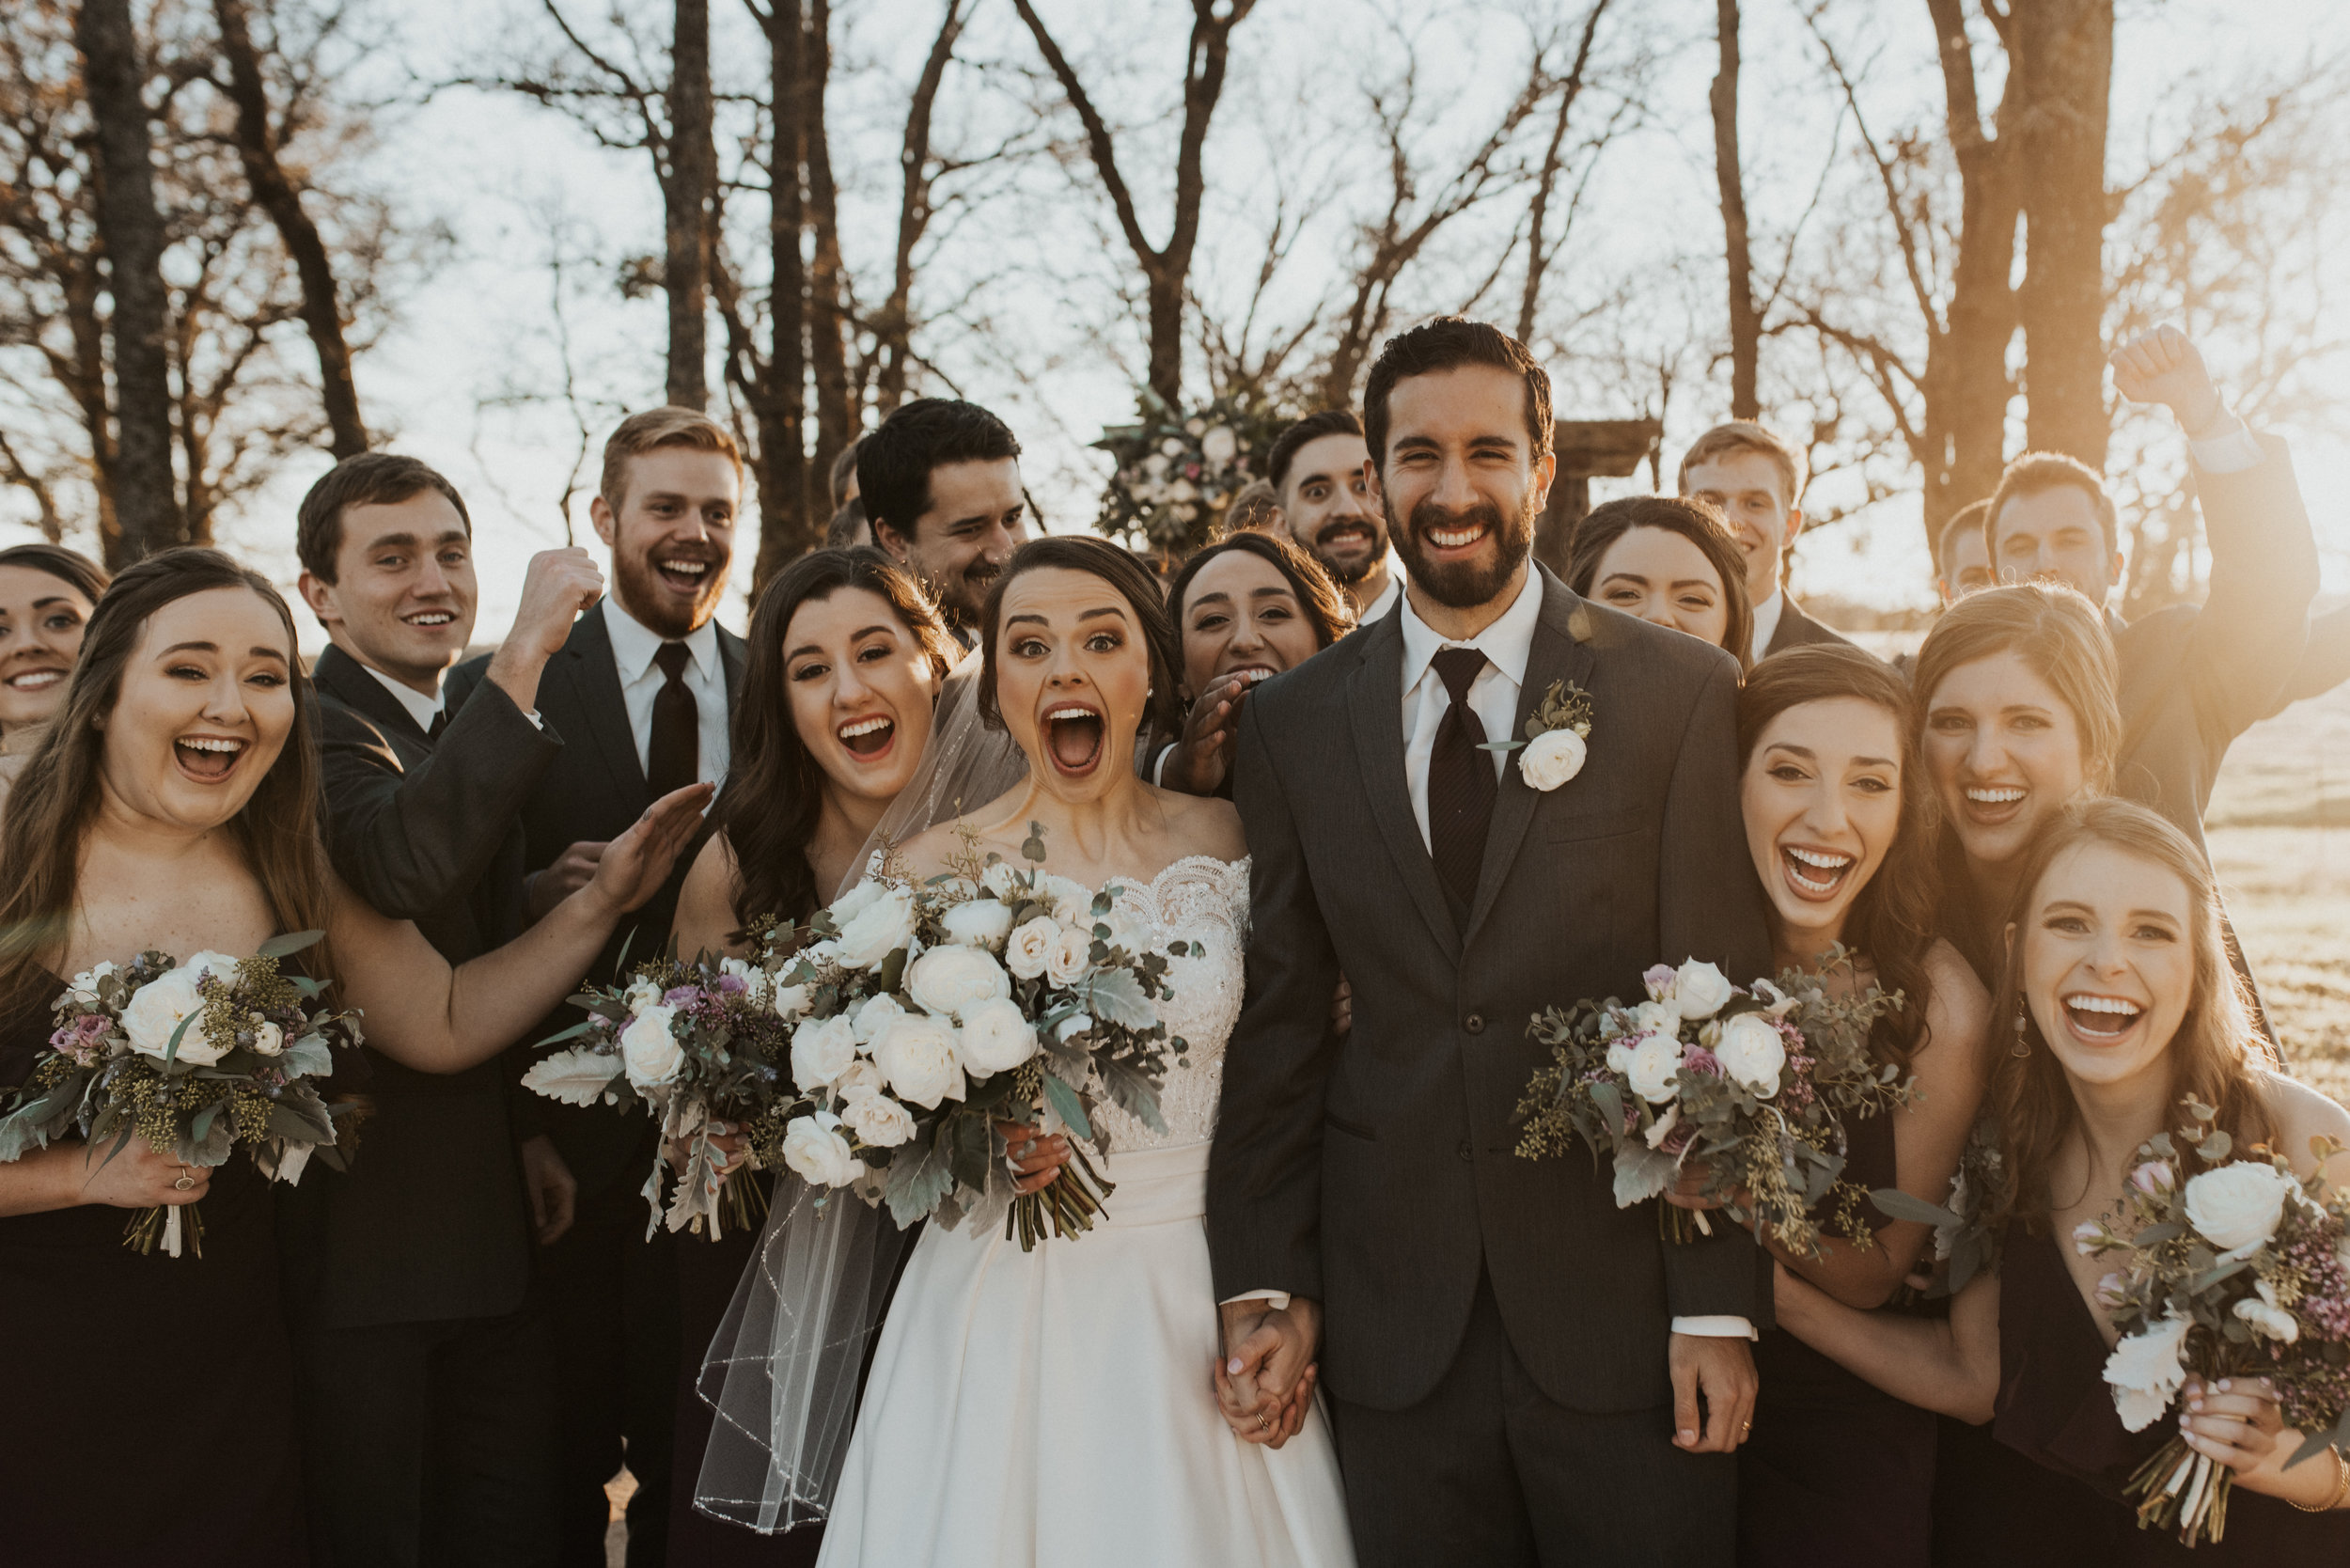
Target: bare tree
x=2061, y=54
x=775, y=387
x=892, y=322
x=1540, y=249
x=686, y=195
x=1745, y=320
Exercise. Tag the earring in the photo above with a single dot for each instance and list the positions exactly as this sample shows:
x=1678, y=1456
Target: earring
x=2023, y=1021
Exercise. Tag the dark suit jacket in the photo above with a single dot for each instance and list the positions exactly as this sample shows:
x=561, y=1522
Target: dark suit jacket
x=2325, y=664
x=591, y=792
x=429, y=1223
x=1796, y=628
x=1375, y=1172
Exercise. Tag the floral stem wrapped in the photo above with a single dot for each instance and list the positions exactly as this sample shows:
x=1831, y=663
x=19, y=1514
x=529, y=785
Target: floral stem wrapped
x=1751, y=1089
x=2231, y=1266
x=196, y=1058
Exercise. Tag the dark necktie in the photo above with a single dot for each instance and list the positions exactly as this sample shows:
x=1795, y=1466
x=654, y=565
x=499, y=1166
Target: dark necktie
x=440, y=722
x=1460, y=783
x=673, y=749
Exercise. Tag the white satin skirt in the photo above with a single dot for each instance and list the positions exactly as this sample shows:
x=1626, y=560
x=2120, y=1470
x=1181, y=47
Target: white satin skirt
x=1056, y=1407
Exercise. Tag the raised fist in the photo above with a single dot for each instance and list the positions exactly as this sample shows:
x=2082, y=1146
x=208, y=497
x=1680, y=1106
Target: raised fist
x=2165, y=366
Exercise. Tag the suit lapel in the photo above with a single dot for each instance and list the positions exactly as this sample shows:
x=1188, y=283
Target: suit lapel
x=1556, y=655
x=347, y=680
x=732, y=650
x=1374, y=700
x=596, y=682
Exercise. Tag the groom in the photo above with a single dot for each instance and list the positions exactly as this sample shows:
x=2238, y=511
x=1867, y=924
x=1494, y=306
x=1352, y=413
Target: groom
x=1521, y=1371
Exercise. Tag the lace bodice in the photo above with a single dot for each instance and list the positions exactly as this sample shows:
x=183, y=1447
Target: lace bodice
x=1203, y=900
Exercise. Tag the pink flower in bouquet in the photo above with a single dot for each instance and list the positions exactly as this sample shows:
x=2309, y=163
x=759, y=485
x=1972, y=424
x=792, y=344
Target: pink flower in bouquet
x=2155, y=1177
x=1697, y=1058
x=1658, y=979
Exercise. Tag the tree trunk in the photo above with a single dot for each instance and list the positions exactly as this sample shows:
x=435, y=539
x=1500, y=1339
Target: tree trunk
x=827, y=324
x=1746, y=322
x=893, y=326
x=321, y=310
x=686, y=194
x=2064, y=60
x=131, y=232
x=784, y=524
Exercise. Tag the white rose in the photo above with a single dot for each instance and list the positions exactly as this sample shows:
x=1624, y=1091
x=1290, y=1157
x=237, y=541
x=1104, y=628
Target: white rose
x=1001, y=881
x=881, y=928
x=1027, y=950
x=981, y=923
x=879, y=1122
x=1552, y=758
x=1753, y=1052
x=950, y=980
x=856, y=901
x=1654, y=1060
x=1073, y=900
x=1219, y=446
x=1699, y=990
x=2146, y=1369
x=1655, y=1018
x=997, y=1038
x=1071, y=956
x=86, y=983
x=876, y=1015
x=268, y=1039
x=818, y=1155
x=917, y=1055
x=754, y=980
x=860, y=1073
x=2266, y=1317
x=640, y=997
x=1620, y=1054
x=790, y=1001
x=153, y=1014
x=821, y=1050
x=647, y=1051
x=2238, y=1206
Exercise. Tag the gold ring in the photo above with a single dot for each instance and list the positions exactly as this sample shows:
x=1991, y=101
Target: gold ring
x=1263, y=1422
x=1746, y=1428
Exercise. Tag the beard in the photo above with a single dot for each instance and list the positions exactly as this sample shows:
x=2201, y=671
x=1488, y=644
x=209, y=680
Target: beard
x=963, y=595
x=1465, y=585
x=648, y=597
x=1347, y=573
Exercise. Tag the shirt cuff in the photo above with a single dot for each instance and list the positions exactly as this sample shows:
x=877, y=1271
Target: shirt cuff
x=536, y=722
x=1277, y=1301
x=1158, y=771
x=2232, y=451
x=1722, y=1326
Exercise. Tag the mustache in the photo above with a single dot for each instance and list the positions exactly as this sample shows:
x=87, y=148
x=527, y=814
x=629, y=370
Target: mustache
x=1345, y=525
x=1428, y=515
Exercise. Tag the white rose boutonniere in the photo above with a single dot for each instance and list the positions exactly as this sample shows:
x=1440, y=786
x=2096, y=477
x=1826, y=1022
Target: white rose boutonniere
x=1558, y=738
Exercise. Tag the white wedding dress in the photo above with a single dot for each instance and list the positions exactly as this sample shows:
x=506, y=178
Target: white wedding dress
x=1055, y=1406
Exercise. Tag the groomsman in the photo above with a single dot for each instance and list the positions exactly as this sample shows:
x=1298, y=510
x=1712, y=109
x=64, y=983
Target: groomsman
x=940, y=482
x=1329, y=492
x=1962, y=562
x=1756, y=479
x=427, y=1384
x=641, y=693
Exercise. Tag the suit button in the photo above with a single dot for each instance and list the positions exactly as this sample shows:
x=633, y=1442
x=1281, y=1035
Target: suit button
x=1474, y=1023
x=1466, y=1152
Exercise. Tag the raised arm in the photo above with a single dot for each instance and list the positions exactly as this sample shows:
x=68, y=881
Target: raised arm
x=422, y=1013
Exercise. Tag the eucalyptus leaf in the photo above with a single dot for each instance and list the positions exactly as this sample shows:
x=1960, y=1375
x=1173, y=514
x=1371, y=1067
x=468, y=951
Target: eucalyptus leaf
x=1642, y=1174
x=1116, y=995
x=1611, y=1104
x=1066, y=1105
x=291, y=943
x=916, y=1185
x=2314, y=1444
x=308, y=1056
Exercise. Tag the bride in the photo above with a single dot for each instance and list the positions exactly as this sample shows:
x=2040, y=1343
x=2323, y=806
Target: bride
x=1064, y=1405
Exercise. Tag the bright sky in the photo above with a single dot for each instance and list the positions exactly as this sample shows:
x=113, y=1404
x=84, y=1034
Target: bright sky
x=515, y=184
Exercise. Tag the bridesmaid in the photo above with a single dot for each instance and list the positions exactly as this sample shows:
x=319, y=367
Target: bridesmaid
x=1839, y=820
x=1669, y=561
x=46, y=595
x=173, y=806
x=845, y=662
x=2112, y=902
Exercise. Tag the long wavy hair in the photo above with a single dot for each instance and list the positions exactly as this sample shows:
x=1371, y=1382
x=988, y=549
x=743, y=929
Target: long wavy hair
x=2215, y=1057
x=774, y=790
x=1695, y=521
x=50, y=811
x=1891, y=921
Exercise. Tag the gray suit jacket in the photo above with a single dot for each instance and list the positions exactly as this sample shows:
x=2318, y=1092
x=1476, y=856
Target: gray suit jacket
x=1375, y=1172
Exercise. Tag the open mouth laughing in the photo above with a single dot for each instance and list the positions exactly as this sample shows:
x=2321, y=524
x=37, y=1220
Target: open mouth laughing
x=1993, y=805
x=868, y=737
x=2100, y=1019
x=684, y=575
x=46, y=677
x=208, y=759
x=1347, y=534
x=1813, y=875
x=1074, y=733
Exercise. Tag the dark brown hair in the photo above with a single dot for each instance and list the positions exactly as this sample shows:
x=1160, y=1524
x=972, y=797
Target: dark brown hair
x=774, y=790
x=1892, y=922
x=50, y=810
x=1323, y=606
x=2035, y=472
x=1098, y=557
x=70, y=566
x=1967, y=519
x=1286, y=446
x=2215, y=1056
x=1694, y=521
x=370, y=480
x=1448, y=343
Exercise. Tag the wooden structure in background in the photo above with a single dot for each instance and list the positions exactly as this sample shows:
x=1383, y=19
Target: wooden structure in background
x=1589, y=449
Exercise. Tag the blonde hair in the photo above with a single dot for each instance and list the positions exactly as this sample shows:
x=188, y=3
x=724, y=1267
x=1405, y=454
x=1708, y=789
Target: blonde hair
x=654, y=429
x=1744, y=436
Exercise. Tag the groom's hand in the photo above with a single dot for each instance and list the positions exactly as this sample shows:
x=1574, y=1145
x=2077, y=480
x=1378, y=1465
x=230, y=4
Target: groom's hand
x=1722, y=1371
x=1266, y=1377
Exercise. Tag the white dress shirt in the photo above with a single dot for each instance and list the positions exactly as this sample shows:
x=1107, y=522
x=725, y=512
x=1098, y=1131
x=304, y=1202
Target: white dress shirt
x=634, y=646
x=1385, y=601
x=1507, y=643
x=2234, y=449
x=423, y=708
x=1766, y=616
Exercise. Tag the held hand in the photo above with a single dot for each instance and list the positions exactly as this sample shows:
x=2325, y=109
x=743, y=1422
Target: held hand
x=1035, y=1159
x=634, y=865
x=138, y=1178
x=1254, y=1414
x=2165, y=366
x=1273, y=1348
x=1342, y=1009
x=1721, y=1372
x=728, y=1143
x=553, y=1191
x=572, y=871
x=1688, y=1192
x=2233, y=1421
x=1203, y=758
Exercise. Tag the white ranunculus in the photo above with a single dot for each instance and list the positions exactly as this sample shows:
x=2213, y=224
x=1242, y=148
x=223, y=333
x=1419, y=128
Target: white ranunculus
x=917, y=1055
x=2146, y=1369
x=1552, y=758
x=1655, y=1018
x=268, y=1039
x=818, y=1155
x=1071, y=956
x=2267, y=1317
x=950, y=980
x=1000, y=881
x=640, y=995
x=1699, y=990
x=1753, y=1052
x=879, y=929
x=875, y=1014
x=790, y=1001
x=1219, y=446
x=755, y=982
x=1073, y=900
x=1655, y=1061
x=649, y=1052
x=2237, y=1206
x=154, y=1012
x=879, y=1122
x=1619, y=1053
x=979, y=923
x=821, y=1050
x=997, y=1037
x=1028, y=949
